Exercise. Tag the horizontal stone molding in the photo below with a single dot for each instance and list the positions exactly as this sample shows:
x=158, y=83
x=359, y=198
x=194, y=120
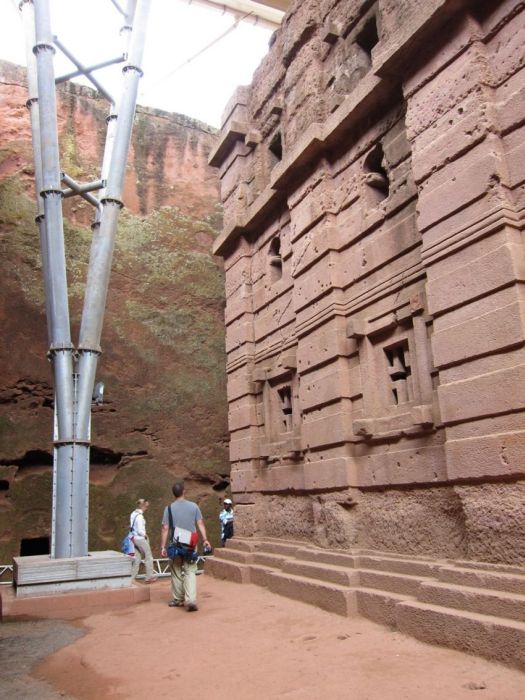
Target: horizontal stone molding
x=492, y=221
x=236, y=131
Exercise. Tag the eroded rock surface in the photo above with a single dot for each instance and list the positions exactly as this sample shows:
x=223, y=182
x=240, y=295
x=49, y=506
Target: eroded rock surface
x=164, y=413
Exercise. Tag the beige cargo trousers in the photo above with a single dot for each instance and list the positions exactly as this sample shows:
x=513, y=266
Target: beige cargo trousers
x=183, y=580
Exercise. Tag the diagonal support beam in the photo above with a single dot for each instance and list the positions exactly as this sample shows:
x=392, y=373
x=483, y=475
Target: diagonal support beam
x=90, y=69
x=83, y=70
x=83, y=190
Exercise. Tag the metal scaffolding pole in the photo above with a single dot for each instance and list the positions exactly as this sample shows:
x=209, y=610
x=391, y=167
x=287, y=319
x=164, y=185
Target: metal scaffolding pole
x=74, y=371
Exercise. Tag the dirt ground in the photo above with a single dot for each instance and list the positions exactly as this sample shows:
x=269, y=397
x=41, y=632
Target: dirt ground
x=243, y=643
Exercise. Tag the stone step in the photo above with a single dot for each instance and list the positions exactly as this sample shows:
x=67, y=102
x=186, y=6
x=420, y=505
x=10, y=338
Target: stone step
x=488, y=566
x=379, y=606
x=244, y=545
x=259, y=574
x=413, y=567
x=275, y=561
x=405, y=584
x=228, y=570
x=324, y=556
x=277, y=547
x=397, y=555
x=341, y=575
x=482, y=578
x=477, y=600
x=340, y=600
x=281, y=540
x=494, y=638
x=238, y=555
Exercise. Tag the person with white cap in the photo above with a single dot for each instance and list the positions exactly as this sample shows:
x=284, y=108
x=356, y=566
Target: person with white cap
x=226, y=517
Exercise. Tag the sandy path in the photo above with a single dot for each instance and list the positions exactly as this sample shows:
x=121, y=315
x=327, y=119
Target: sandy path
x=247, y=643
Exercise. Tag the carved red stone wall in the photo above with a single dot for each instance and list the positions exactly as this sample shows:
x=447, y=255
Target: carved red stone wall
x=374, y=192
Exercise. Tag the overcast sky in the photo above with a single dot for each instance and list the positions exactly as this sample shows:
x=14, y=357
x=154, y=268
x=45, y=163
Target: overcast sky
x=177, y=31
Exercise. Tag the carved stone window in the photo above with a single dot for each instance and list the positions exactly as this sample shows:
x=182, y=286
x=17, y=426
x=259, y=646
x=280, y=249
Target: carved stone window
x=368, y=37
x=280, y=421
x=399, y=372
x=275, y=259
x=376, y=176
x=396, y=374
x=276, y=146
x=285, y=396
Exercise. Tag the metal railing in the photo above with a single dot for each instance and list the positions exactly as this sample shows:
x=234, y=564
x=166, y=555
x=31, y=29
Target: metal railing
x=6, y=574
x=162, y=567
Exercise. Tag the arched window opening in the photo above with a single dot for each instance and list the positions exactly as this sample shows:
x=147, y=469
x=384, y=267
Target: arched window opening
x=276, y=146
x=376, y=175
x=368, y=37
x=275, y=259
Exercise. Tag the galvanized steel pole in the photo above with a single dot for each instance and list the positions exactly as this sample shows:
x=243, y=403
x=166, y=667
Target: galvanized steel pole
x=74, y=381
x=60, y=346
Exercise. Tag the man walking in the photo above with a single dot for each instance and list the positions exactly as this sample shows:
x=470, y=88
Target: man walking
x=186, y=517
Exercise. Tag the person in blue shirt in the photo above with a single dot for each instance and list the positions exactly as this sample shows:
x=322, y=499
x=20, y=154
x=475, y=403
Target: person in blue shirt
x=226, y=517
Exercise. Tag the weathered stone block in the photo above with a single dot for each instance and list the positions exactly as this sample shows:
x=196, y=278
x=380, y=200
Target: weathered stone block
x=318, y=280
x=486, y=456
x=323, y=385
x=462, y=182
x=480, y=277
x=500, y=329
x=327, y=427
x=445, y=91
x=485, y=395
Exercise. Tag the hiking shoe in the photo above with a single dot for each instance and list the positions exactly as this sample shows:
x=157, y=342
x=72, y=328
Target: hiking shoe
x=176, y=604
x=192, y=607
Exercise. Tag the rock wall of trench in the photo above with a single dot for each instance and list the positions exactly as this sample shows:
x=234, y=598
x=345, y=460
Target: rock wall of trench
x=164, y=413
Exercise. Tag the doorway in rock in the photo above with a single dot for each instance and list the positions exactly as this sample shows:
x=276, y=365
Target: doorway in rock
x=35, y=545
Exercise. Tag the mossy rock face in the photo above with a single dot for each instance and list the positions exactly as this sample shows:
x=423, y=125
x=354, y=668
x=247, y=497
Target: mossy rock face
x=163, y=361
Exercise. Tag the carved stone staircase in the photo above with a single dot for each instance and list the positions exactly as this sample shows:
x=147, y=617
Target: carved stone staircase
x=469, y=606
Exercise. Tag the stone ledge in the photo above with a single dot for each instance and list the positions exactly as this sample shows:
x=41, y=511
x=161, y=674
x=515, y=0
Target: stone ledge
x=236, y=132
x=71, y=605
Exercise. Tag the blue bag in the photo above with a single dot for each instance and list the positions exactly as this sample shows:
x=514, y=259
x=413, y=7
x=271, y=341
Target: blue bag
x=127, y=546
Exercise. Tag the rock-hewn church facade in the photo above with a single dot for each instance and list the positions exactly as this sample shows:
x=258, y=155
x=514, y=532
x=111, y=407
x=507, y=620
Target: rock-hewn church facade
x=373, y=184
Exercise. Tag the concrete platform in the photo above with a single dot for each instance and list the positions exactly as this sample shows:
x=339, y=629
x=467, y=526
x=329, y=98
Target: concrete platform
x=71, y=588
x=41, y=575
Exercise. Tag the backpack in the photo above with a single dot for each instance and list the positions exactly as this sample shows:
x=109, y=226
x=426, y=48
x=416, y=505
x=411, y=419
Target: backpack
x=127, y=546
